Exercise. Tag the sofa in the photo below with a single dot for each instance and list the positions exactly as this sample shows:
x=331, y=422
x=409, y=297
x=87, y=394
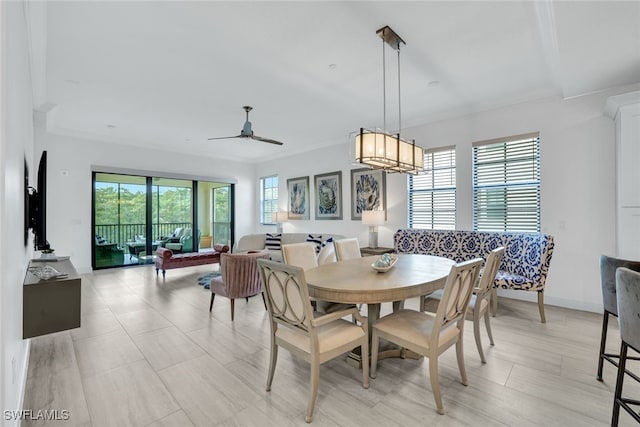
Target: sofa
x=256, y=242
x=167, y=260
x=107, y=254
x=525, y=264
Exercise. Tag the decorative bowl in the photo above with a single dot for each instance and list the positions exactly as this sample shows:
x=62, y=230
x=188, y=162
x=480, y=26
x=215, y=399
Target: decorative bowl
x=385, y=268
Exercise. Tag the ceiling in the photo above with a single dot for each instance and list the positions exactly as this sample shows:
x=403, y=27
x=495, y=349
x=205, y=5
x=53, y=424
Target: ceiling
x=169, y=75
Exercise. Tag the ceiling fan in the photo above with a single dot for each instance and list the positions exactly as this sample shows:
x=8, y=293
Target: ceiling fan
x=247, y=132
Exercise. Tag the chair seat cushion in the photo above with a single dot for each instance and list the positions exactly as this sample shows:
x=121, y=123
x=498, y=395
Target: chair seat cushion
x=330, y=336
x=506, y=280
x=414, y=328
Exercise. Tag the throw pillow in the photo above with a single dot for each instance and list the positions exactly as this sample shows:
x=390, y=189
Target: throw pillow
x=273, y=241
x=327, y=252
x=316, y=240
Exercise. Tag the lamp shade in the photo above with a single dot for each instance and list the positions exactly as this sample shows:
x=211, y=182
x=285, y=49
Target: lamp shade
x=279, y=217
x=373, y=217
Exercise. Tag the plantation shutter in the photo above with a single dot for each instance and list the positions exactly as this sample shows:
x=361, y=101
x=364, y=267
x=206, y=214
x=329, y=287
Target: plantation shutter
x=506, y=184
x=432, y=195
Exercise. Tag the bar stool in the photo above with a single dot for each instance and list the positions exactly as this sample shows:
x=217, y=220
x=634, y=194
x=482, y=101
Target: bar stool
x=608, y=267
x=628, y=296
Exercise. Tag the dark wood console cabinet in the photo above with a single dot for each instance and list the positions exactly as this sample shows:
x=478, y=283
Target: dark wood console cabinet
x=51, y=305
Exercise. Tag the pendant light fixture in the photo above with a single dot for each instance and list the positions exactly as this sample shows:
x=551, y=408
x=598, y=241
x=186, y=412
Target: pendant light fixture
x=380, y=149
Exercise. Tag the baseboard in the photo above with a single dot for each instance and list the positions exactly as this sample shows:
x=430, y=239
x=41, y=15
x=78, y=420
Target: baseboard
x=23, y=385
x=550, y=300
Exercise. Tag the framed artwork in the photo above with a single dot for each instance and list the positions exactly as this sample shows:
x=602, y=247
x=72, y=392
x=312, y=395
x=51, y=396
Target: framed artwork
x=328, y=193
x=368, y=191
x=298, y=195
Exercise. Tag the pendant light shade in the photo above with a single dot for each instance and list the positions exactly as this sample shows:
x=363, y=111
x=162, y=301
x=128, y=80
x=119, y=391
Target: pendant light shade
x=380, y=149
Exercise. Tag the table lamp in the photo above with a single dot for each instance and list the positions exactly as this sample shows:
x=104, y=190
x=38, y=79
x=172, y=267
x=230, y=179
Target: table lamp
x=373, y=219
x=279, y=218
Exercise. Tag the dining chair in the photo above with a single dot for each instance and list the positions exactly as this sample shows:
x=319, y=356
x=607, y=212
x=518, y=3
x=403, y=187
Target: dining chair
x=347, y=249
x=608, y=267
x=480, y=299
x=303, y=255
x=239, y=277
x=430, y=335
x=294, y=327
x=628, y=299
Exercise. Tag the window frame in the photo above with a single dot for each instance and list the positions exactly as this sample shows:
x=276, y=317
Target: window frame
x=437, y=214
x=264, y=199
x=507, y=169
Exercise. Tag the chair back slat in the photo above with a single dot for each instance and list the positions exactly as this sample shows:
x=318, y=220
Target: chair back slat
x=457, y=293
x=287, y=295
x=628, y=295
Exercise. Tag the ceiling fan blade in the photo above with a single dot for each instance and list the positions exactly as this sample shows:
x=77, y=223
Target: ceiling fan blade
x=228, y=137
x=270, y=141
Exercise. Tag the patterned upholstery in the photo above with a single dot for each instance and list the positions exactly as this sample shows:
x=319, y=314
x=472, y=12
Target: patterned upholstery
x=167, y=260
x=525, y=264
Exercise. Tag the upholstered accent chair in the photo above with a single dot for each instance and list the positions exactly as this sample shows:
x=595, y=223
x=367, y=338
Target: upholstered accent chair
x=239, y=279
x=608, y=267
x=480, y=299
x=347, y=249
x=183, y=244
x=294, y=327
x=628, y=297
x=430, y=335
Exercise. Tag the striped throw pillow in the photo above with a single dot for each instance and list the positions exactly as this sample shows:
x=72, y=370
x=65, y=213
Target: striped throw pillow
x=316, y=240
x=327, y=252
x=273, y=241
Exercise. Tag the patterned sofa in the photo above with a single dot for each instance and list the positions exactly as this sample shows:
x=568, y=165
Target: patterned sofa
x=167, y=260
x=524, y=267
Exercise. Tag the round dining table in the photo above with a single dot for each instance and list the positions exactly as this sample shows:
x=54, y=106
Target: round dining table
x=355, y=281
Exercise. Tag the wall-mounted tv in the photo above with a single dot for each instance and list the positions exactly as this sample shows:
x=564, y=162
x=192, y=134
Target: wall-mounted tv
x=37, y=202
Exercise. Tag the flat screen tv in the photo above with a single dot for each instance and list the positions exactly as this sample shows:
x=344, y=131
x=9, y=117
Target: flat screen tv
x=38, y=207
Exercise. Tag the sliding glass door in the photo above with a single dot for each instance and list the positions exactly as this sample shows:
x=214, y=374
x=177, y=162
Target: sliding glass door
x=119, y=220
x=134, y=215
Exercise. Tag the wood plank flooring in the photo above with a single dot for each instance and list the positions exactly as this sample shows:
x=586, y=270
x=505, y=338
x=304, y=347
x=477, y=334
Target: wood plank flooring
x=149, y=353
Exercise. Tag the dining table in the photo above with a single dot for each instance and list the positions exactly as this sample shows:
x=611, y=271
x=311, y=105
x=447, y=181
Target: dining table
x=355, y=281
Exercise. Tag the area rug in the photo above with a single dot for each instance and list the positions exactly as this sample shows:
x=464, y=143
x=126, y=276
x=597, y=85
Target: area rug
x=206, y=279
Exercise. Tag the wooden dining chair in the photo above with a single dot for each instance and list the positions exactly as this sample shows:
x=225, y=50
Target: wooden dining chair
x=430, y=335
x=303, y=255
x=294, y=327
x=480, y=299
x=608, y=267
x=347, y=249
x=628, y=299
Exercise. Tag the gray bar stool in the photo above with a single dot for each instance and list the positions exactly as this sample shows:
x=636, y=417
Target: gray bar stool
x=608, y=267
x=628, y=295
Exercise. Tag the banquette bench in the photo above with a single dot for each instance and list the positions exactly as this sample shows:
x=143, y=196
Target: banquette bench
x=525, y=264
x=167, y=260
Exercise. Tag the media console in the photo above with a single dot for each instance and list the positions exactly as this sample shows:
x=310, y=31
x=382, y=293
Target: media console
x=51, y=305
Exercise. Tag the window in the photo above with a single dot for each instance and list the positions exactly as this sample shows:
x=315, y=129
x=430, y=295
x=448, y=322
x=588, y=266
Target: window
x=268, y=198
x=506, y=184
x=432, y=195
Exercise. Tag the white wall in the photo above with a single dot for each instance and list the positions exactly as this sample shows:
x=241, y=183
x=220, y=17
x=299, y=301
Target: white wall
x=577, y=194
x=16, y=145
x=69, y=185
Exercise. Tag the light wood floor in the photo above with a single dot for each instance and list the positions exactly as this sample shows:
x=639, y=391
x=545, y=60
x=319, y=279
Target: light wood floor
x=150, y=354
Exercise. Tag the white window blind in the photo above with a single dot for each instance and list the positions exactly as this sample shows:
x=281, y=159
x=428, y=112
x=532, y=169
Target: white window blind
x=506, y=184
x=432, y=195
x=268, y=198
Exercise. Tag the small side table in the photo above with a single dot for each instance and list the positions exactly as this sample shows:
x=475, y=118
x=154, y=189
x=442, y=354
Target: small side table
x=375, y=251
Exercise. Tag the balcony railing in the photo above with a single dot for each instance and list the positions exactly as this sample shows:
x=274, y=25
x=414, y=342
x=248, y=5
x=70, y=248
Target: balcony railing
x=122, y=233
